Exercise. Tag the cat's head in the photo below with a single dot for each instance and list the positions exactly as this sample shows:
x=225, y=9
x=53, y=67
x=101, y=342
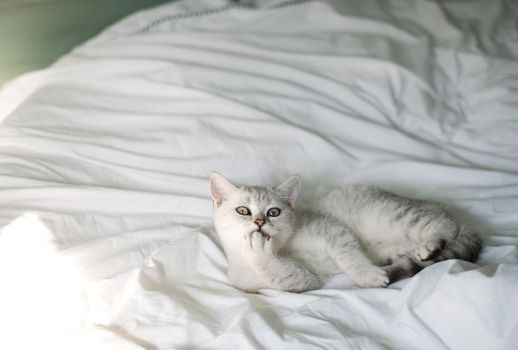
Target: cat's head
x=238, y=211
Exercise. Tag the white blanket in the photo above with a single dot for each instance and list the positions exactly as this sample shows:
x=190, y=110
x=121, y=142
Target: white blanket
x=105, y=157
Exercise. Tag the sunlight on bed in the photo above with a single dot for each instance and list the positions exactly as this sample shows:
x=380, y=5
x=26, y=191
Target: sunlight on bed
x=41, y=297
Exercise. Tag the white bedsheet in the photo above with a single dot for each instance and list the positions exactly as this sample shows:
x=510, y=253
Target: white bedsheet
x=104, y=162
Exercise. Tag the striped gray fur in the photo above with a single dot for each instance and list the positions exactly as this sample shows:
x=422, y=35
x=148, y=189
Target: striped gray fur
x=372, y=235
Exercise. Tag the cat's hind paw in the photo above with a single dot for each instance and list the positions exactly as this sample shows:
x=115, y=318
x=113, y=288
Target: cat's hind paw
x=372, y=277
x=428, y=251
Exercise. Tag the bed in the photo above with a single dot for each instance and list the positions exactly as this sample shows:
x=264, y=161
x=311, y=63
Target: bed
x=106, y=234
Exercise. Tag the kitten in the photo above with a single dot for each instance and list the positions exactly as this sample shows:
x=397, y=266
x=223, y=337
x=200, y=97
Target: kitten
x=374, y=236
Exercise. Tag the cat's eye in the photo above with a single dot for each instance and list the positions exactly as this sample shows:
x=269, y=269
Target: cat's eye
x=243, y=211
x=273, y=212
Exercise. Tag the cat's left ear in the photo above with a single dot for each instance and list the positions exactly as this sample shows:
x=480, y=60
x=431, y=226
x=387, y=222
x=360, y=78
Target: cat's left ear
x=220, y=188
x=289, y=189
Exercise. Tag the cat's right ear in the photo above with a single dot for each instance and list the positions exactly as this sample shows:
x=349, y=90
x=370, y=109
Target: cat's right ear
x=289, y=189
x=220, y=188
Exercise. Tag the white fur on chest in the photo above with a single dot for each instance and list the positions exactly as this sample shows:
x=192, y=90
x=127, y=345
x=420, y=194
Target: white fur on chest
x=313, y=255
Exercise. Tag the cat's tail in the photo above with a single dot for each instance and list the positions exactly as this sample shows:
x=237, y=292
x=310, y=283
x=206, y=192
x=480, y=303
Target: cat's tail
x=466, y=245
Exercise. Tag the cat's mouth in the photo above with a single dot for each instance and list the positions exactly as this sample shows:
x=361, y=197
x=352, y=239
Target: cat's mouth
x=264, y=233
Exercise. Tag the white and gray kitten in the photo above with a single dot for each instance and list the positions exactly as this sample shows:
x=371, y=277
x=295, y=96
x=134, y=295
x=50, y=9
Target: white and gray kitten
x=373, y=236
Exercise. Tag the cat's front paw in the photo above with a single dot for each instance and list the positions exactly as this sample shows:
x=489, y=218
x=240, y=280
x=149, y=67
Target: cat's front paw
x=371, y=277
x=260, y=244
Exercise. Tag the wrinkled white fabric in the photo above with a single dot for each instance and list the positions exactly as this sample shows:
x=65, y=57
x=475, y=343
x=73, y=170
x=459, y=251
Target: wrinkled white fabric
x=105, y=157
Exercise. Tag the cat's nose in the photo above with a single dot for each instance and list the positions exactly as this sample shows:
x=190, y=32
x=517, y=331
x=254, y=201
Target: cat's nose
x=260, y=222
